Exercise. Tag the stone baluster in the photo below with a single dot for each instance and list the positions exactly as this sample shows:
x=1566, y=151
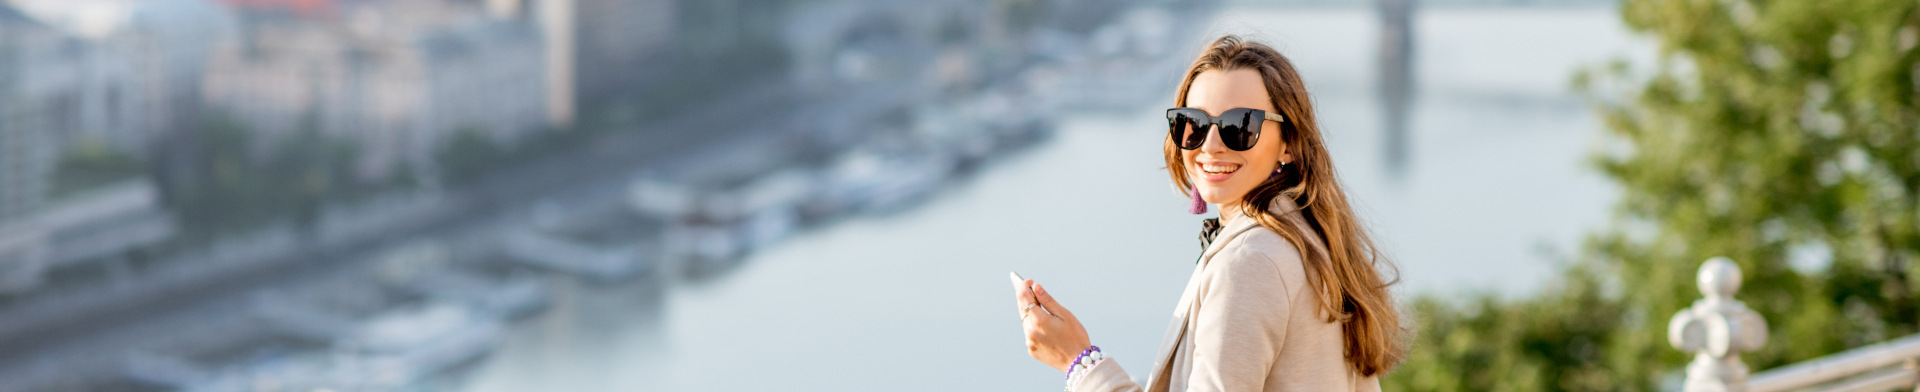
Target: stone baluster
x=1717, y=329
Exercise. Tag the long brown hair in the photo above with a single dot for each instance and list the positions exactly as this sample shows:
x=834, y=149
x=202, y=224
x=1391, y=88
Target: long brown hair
x=1348, y=278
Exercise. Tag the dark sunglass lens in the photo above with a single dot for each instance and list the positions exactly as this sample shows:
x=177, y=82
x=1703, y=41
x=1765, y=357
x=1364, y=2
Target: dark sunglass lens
x=1196, y=136
x=1176, y=127
x=1233, y=135
x=1181, y=129
x=1188, y=131
x=1240, y=130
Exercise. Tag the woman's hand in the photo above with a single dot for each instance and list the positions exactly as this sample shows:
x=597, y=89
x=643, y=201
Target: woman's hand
x=1054, y=339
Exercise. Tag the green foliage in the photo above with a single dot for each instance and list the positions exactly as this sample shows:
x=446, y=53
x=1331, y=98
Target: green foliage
x=93, y=163
x=1554, y=342
x=1770, y=131
x=234, y=183
x=469, y=155
x=1021, y=15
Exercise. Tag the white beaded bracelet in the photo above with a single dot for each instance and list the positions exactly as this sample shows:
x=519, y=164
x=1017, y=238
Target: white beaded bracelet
x=1081, y=365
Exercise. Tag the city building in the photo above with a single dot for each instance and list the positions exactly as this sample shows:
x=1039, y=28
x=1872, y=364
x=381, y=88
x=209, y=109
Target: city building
x=140, y=60
x=39, y=69
x=31, y=56
x=618, y=42
x=397, y=78
x=597, y=50
x=56, y=88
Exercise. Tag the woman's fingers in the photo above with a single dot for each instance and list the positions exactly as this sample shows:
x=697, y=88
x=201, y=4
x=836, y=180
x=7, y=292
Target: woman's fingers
x=1046, y=301
x=1036, y=331
x=1053, y=336
x=1023, y=296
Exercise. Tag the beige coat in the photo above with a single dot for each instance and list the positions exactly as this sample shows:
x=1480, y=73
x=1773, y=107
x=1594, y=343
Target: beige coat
x=1246, y=322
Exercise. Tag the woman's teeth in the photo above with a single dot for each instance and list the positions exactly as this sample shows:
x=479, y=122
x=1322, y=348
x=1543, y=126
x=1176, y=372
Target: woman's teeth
x=1219, y=169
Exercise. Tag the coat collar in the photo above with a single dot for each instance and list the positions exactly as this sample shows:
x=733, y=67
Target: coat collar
x=1282, y=207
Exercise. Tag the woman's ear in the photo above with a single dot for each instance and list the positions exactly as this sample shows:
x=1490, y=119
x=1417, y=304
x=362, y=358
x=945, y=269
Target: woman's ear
x=1286, y=149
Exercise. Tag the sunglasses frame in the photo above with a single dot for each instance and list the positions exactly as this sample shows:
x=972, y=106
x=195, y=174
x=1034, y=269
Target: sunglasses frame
x=1201, y=122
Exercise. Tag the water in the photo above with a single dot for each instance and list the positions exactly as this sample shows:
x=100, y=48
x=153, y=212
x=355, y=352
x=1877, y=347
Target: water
x=1497, y=190
x=919, y=299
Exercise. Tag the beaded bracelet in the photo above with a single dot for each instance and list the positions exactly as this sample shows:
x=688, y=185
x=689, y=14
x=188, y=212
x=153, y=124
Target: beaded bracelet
x=1089, y=357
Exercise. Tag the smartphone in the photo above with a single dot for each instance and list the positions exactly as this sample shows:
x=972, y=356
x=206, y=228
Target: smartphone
x=1019, y=280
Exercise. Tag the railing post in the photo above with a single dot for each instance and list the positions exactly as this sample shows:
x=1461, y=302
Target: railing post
x=1717, y=329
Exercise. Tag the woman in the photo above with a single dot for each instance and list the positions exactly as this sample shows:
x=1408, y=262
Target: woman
x=1287, y=294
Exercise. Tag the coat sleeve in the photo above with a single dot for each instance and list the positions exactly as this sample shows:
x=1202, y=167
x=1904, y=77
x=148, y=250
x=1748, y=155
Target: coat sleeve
x=1106, y=376
x=1239, y=324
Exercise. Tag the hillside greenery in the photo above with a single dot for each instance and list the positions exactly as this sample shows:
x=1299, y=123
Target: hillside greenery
x=1779, y=133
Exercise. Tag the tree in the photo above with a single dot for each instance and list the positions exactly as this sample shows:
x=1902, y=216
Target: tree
x=92, y=163
x=237, y=182
x=1779, y=133
x=470, y=154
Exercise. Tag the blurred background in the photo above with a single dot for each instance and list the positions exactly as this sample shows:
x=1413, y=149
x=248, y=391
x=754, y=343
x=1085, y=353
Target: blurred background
x=600, y=195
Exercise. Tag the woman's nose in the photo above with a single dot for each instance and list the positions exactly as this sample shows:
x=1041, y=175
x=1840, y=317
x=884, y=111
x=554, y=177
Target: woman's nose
x=1213, y=145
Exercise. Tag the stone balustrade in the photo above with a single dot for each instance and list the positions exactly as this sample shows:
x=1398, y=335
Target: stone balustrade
x=1716, y=329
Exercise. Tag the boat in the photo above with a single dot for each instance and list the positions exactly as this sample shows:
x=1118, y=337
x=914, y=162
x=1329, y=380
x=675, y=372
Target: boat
x=554, y=251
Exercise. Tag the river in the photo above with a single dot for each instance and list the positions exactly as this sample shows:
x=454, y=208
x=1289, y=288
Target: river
x=1496, y=190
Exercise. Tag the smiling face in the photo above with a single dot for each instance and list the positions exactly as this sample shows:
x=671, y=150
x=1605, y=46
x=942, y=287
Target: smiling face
x=1221, y=174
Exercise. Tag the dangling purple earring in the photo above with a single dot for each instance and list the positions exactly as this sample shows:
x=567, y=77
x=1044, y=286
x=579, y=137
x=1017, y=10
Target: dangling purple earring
x=1199, y=206
x=1276, y=171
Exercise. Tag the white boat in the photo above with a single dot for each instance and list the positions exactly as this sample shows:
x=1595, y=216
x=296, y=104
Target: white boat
x=769, y=206
x=513, y=295
x=551, y=250
x=658, y=198
x=870, y=181
x=395, y=349
x=407, y=346
x=428, y=268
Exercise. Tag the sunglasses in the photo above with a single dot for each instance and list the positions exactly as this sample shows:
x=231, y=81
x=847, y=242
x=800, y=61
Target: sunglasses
x=1239, y=128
